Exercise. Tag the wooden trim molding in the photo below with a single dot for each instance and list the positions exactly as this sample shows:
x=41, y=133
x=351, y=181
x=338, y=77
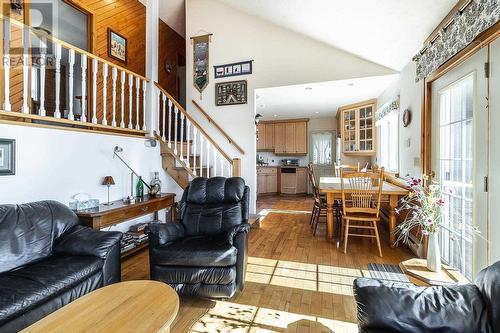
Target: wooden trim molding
x=483, y=40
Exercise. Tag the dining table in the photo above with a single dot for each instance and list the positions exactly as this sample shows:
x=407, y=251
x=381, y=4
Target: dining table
x=391, y=193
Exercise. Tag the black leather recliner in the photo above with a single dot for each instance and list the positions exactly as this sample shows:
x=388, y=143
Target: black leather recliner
x=47, y=260
x=385, y=307
x=204, y=253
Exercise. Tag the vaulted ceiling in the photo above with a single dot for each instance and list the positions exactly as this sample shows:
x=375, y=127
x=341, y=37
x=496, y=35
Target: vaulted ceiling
x=386, y=32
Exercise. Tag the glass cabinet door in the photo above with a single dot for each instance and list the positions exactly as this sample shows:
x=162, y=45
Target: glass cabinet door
x=366, y=128
x=349, y=131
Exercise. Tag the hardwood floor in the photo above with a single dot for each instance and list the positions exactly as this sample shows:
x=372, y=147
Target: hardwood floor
x=295, y=282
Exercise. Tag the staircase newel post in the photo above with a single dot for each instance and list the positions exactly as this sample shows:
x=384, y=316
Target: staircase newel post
x=236, y=167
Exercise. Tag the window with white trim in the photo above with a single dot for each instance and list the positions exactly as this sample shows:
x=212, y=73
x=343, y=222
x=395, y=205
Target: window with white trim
x=388, y=129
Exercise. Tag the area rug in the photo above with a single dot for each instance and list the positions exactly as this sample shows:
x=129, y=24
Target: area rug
x=386, y=272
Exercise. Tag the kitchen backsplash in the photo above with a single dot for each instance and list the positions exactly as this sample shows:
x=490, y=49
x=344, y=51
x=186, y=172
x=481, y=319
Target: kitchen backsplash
x=274, y=160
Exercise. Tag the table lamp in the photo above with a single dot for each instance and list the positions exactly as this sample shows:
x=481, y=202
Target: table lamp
x=108, y=181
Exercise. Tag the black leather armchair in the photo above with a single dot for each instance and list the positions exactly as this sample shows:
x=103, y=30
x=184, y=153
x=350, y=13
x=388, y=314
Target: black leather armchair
x=204, y=253
x=47, y=260
x=395, y=307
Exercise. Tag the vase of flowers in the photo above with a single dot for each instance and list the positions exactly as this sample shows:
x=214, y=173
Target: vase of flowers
x=424, y=206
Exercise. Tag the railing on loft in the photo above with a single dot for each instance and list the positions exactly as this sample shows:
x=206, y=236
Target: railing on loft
x=41, y=71
x=190, y=143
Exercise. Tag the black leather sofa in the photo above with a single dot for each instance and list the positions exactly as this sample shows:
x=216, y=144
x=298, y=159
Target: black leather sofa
x=47, y=260
x=385, y=307
x=204, y=253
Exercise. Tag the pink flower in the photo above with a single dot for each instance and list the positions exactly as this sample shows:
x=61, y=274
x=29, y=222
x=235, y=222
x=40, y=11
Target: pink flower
x=440, y=202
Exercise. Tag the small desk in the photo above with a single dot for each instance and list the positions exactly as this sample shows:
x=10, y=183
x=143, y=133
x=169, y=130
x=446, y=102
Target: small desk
x=105, y=216
x=134, y=306
x=390, y=193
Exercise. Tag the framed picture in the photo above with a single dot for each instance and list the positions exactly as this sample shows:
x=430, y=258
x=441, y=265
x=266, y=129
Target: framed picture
x=235, y=69
x=231, y=93
x=117, y=46
x=7, y=157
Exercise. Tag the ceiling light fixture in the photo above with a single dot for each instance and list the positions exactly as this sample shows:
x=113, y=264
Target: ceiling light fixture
x=275, y=115
x=350, y=84
x=309, y=88
x=317, y=112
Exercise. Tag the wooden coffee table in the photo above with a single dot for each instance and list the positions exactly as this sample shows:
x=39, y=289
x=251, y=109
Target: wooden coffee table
x=133, y=306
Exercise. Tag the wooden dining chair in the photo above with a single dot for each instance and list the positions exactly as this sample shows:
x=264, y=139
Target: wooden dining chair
x=361, y=194
x=346, y=168
x=319, y=207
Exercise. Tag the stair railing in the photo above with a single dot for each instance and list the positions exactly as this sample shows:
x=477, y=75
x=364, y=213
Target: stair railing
x=195, y=149
x=32, y=58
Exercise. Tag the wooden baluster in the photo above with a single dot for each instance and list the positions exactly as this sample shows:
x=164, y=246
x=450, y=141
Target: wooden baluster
x=169, y=123
x=26, y=70
x=130, y=86
x=6, y=64
x=182, y=137
x=201, y=155
x=104, y=93
x=95, y=71
x=144, y=86
x=176, y=111
x=58, y=54
x=114, y=76
x=221, y=160
x=208, y=158
x=122, y=99
x=137, y=86
x=195, y=139
x=230, y=168
x=188, y=138
x=71, y=61
x=83, y=59
x=215, y=161
x=164, y=115
x=43, y=55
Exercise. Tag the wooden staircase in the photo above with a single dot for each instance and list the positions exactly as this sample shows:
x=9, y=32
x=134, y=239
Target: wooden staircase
x=187, y=150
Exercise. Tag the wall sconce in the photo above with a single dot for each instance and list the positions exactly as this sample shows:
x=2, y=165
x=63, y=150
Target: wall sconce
x=257, y=118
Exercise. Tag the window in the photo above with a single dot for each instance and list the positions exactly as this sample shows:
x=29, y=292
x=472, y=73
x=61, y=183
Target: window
x=455, y=173
x=388, y=129
x=322, y=148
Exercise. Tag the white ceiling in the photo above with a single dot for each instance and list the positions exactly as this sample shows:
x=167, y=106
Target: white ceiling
x=173, y=13
x=320, y=100
x=387, y=32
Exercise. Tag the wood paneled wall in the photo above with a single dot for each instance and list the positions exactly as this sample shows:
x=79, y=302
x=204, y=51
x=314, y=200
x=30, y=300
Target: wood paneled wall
x=171, y=45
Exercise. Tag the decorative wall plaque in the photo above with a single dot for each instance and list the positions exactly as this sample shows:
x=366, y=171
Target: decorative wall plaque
x=231, y=93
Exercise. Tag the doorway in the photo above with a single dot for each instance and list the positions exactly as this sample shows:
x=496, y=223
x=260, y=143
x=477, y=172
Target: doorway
x=460, y=132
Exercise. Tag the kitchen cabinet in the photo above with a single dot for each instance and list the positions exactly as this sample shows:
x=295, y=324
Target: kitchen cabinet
x=267, y=180
x=279, y=138
x=286, y=137
x=301, y=180
x=269, y=145
x=293, y=180
x=357, y=128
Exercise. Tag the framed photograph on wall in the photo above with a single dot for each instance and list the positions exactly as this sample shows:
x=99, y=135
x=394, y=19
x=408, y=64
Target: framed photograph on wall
x=231, y=93
x=234, y=69
x=117, y=46
x=7, y=157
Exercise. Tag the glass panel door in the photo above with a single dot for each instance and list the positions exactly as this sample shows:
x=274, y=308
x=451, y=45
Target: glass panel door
x=460, y=162
x=349, y=131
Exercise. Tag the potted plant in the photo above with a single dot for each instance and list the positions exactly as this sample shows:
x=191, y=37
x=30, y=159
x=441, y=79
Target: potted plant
x=424, y=206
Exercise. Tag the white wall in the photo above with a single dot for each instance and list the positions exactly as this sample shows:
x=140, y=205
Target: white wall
x=411, y=95
x=57, y=164
x=281, y=58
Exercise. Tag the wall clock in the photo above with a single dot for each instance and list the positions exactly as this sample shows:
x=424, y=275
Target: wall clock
x=406, y=117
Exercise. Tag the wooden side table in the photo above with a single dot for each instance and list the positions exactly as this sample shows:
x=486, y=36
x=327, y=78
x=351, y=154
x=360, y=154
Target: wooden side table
x=419, y=274
x=133, y=306
x=119, y=211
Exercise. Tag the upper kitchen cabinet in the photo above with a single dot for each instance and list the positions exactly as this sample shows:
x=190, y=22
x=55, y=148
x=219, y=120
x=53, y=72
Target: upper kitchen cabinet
x=357, y=128
x=285, y=137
